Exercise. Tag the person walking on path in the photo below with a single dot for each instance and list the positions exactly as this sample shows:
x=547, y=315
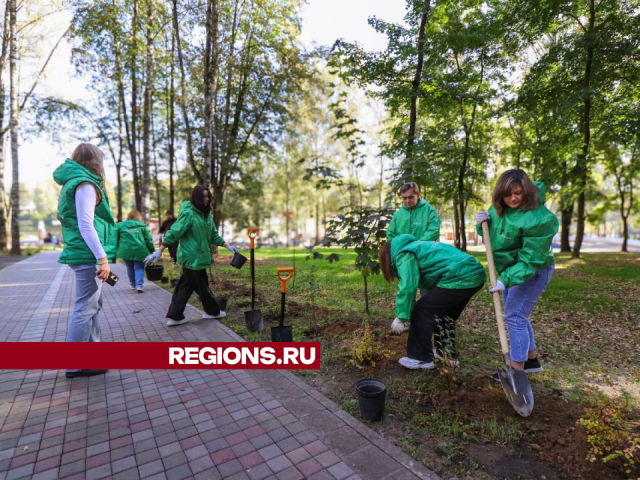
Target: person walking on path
x=134, y=246
x=164, y=228
x=195, y=232
x=91, y=240
x=449, y=276
x=521, y=230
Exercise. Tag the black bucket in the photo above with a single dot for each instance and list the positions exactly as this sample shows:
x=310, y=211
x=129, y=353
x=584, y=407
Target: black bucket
x=154, y=272
x=238, y=260
x=222, y=302
x=164, y=279
x=371, y=397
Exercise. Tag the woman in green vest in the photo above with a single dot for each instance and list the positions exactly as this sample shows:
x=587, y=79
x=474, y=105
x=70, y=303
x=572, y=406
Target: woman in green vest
x=90, y=238
x=134, y=245
x=195, y=232
x=521, y=230
x=449, y=276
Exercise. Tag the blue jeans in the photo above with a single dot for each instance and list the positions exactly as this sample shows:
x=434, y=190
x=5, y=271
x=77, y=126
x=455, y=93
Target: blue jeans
x=84, y=326
x=135, y=271
x=519, y=301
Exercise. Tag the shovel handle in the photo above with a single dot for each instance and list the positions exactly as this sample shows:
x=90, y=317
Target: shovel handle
x=283, y=288
x=497, y=302
x=252, y=232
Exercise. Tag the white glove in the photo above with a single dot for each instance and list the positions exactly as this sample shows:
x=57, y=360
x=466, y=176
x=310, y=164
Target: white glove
x=482, y=216
x=153, y=258
x=397, y=326
x=498, y=288
x=232, y=249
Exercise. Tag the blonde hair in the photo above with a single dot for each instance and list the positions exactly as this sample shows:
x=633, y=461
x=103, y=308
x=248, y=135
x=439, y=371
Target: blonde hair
x=134, y=215
x=90, y=157
x=507, y=181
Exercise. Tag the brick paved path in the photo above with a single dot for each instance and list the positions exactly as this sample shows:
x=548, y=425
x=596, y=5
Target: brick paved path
x=129, y=424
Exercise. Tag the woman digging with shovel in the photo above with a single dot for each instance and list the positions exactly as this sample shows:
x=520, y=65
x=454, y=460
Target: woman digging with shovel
x=195, y=232
x=451, y=278
x=520, y=230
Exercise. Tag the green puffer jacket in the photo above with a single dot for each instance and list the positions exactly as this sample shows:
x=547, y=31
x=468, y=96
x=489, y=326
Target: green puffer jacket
x=76, y=252
x=521, y=241
x=428, y=265
x=134, y=241
x=421, y=221
x=195, y=234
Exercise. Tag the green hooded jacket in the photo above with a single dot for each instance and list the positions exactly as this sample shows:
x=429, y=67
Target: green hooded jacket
x=428, y=265
x=521, y=241
x=134, y=241
x=76, y=252
x=421, y=221
x=196, y=234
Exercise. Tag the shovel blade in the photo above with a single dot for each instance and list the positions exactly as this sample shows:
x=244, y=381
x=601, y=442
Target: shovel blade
x=518, y=390
x=253, y=320
x=282, y=334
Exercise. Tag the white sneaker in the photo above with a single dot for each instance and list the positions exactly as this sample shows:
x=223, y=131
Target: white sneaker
x=173, y=323
x=140, y=289
x=133, y=288
x=220, y=315
x=412, y=364
x=450, y=361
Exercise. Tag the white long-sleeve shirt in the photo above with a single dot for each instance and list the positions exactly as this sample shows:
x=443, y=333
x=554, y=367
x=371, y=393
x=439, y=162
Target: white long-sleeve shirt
x=86, y=199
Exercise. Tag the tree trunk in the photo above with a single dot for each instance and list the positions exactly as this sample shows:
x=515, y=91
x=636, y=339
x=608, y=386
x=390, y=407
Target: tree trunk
x=183, y=101
x=456, y=224
x=210, y=79
x=3, y=61
x=366, y=295
x=567, y=215
x=3, y=206
x=148, y=105
x=133, y=144
x=172, y=126
x=13, y=122
x=625, y=233
x=463, y=230
x=415, y=85
x=586, y=130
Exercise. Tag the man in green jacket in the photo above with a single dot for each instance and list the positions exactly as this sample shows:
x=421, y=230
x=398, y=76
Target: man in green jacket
x=416, y=217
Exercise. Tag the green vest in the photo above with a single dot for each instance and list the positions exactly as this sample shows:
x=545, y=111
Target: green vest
x=134, y=241
x=76, y=252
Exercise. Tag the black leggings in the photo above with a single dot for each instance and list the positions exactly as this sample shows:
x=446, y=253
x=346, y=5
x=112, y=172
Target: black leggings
x=190, y=281
x=435, y=314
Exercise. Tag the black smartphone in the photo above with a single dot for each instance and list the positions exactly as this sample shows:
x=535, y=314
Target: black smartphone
x=111, y=279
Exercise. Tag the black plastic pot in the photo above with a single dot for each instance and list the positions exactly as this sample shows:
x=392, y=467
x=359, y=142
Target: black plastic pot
x=238, y=260
x=372, y=394
x=222, y=302
x=164, y=279
x=154, y=272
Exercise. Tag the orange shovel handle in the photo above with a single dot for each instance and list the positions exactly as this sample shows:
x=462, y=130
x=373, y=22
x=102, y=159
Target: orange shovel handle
x=283, y=288
x=252, y=232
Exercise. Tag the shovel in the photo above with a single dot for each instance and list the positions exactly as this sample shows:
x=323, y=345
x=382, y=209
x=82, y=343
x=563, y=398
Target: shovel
x=514, y=382
x=253, y=318
x=282, y=333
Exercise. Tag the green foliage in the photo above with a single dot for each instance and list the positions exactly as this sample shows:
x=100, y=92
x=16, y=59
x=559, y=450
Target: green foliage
x=609, y=432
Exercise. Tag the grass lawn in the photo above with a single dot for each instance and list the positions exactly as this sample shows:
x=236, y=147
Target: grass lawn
x=458, y=422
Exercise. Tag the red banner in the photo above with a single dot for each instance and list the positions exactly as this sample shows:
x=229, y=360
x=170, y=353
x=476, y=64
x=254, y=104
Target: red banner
x=162, y=356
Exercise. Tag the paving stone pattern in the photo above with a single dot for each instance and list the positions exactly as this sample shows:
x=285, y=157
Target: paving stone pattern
x=173, y=424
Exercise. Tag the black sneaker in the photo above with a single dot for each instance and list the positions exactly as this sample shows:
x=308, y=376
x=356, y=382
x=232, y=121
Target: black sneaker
x=532, y=365
x=85, y=373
